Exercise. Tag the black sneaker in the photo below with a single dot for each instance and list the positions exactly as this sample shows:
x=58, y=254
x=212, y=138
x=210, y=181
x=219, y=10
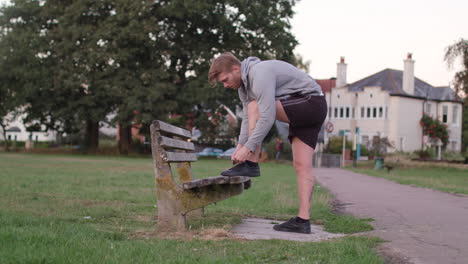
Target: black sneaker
x=293, y=226
x=247, y=168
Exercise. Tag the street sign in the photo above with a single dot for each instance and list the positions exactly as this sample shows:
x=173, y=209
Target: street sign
x=344, y=132
x=329, y=127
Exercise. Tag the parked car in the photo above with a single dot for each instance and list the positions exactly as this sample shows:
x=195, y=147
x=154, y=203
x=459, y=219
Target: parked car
x=226, y=154
x=209, y=152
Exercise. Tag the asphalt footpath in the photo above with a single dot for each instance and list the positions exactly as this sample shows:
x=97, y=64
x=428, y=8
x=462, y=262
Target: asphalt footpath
x=420, y=225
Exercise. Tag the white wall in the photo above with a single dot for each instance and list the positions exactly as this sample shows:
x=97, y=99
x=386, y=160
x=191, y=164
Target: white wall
x=405, y=114
x=454, y=125
x=371, y=99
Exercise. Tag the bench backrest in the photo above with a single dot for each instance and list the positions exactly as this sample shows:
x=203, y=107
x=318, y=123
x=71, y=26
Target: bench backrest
x=169, y=144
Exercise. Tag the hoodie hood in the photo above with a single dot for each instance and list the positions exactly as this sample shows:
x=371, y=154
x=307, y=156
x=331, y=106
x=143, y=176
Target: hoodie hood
x=246, y=65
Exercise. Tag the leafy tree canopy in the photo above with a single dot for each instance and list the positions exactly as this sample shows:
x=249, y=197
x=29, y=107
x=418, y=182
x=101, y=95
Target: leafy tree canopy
x=77, y=61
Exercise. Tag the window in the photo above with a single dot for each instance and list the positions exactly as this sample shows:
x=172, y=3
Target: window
x=37, y=137
x=365, y=140
x=374, y=112
x=363, y=111
x=336, y=112
x=453, y=145
x=347, y=112
x=454, y=114
x=9, y=137
x=341, y=112
x=368, y=112
x=330, y=113
x=428, y=108
x=444, y=114
x=352, y=113
x=380, y=112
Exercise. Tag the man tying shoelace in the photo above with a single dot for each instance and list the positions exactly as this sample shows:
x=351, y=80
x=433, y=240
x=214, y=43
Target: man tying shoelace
x=274, y=90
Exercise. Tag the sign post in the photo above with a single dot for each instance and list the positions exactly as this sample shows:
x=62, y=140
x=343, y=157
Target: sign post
x=344, y=134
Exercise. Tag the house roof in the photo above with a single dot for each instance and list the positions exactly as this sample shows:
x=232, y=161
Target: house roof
x=13, y=129
x=327, y=84
x=391, y=81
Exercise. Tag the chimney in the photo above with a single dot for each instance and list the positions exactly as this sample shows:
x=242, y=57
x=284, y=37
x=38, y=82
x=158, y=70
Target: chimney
x=408, y=75
x=341, y=73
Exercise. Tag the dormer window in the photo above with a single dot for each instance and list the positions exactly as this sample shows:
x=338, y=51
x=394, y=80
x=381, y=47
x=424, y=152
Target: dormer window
x=445, y=114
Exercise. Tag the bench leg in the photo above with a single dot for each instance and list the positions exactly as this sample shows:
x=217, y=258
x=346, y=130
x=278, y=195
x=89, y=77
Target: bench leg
x=170, y=218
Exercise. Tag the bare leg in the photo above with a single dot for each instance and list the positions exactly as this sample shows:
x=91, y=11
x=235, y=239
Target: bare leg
x=253, y=118
x=302, y=159
x=280, y=113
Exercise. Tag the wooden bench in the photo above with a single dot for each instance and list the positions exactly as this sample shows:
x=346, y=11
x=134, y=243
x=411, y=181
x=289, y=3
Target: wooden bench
x=171, y=150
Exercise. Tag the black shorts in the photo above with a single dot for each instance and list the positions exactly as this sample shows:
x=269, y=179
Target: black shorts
x=306, y=114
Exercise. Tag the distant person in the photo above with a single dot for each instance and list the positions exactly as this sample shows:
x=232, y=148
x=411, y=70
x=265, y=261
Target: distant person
x=279, y=148
x=274, y=90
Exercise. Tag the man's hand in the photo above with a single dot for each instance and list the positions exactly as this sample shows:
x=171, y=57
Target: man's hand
x=241, y=154
x=239, y=146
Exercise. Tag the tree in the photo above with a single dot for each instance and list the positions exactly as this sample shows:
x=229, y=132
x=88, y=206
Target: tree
x=195, y=31
x=11, y=85
x=138, y=59
x=460, y=50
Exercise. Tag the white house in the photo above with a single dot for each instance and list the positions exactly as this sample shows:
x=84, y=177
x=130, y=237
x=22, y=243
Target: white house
x=390, y=103
x=16, y=131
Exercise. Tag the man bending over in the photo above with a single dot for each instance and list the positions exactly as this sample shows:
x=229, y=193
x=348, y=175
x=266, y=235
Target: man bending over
x=274, y=90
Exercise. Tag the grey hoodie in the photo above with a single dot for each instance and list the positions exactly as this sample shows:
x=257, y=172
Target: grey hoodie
x=265, y=82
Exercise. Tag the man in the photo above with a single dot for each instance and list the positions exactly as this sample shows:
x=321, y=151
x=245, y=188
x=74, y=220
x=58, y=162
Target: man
x=279, y=148
x=274, y=90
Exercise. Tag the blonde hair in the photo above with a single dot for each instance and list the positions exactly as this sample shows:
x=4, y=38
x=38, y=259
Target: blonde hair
x=222, y=63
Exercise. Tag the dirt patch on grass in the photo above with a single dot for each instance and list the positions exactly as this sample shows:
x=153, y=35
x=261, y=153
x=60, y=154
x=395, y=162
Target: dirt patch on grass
x=203, y=234
x=391, y=256
x=144, y=218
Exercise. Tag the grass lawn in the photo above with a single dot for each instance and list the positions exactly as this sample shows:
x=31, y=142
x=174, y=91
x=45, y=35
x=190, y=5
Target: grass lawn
x=94, y=209
x=446, y=179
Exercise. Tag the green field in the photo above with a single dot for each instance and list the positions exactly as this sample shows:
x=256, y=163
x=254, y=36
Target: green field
x=94, y=209
x=446, y=179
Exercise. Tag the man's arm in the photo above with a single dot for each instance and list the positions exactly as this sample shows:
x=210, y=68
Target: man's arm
x=244, y=131
x=263, y=86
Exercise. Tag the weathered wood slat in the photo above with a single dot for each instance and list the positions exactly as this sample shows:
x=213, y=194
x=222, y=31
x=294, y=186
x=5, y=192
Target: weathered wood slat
x=178, y=156
x=214, y=181
x=175, y=143
x=173, y=130
x=238, y=179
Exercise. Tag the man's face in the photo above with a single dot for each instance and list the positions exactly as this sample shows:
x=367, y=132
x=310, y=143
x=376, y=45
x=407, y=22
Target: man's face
x=231, y=79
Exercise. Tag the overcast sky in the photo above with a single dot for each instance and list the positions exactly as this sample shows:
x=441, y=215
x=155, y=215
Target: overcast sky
x=373, y=35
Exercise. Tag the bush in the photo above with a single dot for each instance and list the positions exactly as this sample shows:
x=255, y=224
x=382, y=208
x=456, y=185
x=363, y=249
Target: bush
x=364, y=151
x=453, y=156
x=434, y=128
x=428, y=153
x=335, y=145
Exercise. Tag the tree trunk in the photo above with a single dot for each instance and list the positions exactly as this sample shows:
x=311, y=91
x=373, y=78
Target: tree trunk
x=125, y=138
x=5, y=139
x=92, y=135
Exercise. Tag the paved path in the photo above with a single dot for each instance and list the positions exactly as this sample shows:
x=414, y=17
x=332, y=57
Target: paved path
x=424, y=225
